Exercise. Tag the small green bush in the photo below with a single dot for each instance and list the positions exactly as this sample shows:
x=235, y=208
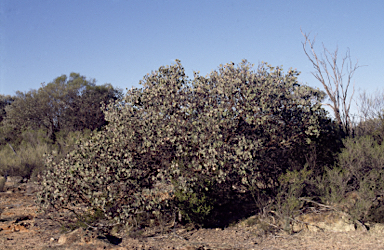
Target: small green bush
x=196, y=206
x=359, y=170
x=287, y=203
x=26, y=158
x=333, y=185
x=27, y=162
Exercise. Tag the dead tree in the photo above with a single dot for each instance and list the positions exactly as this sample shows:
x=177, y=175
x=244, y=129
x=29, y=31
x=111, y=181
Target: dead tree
x=335, y=81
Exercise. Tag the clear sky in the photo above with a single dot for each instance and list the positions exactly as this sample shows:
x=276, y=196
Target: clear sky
x=119, y=41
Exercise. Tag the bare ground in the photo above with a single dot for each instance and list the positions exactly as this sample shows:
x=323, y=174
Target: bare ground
x=21, y=227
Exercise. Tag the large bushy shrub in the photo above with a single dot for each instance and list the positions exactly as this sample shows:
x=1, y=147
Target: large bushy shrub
x=186, y=144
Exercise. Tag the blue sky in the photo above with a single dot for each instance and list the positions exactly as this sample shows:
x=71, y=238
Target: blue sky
x=119, y=41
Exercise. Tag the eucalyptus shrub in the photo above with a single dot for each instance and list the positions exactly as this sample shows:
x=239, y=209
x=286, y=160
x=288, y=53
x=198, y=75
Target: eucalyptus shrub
x=175, y=138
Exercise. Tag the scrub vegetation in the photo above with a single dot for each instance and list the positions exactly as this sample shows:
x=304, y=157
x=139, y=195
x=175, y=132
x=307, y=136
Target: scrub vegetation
x=205, y=152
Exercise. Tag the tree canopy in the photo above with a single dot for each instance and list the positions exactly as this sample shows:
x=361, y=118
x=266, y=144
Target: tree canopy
x=67, y=103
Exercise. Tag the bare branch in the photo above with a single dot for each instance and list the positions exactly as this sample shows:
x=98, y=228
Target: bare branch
x=331, y=75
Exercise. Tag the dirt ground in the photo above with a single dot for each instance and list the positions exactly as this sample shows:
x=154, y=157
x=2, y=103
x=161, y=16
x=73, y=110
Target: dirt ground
x=22, y=228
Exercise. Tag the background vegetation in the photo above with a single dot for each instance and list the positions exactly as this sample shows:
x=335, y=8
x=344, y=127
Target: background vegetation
x=49, y=120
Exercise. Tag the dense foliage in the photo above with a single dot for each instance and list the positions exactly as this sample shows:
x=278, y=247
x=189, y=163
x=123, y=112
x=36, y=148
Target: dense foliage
x=181, y=144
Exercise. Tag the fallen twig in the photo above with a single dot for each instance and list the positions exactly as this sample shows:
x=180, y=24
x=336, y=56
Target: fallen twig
x=317, y=203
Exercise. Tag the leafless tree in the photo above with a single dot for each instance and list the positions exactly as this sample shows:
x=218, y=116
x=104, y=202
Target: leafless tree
x=335, y=81
x=370, y=106
x=371, y=113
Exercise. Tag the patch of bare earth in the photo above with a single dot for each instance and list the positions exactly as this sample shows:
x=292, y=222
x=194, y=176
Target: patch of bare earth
x=21, y=227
